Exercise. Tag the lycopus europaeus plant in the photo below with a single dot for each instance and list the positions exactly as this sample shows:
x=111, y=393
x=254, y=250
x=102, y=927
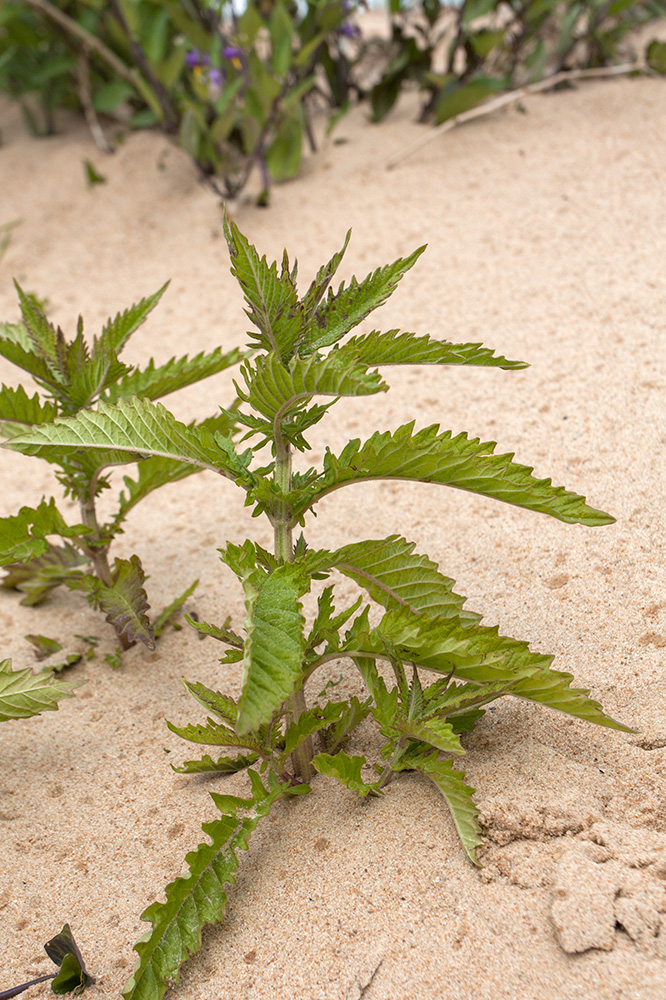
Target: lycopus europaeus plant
x=429, y=667
x=73, y=377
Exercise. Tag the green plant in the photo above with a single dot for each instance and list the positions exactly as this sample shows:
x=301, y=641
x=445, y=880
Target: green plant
x=24, y=694
x=73, y=976
x=74, y=376
x=235, y=89
x=496, y=45
x=416, y=625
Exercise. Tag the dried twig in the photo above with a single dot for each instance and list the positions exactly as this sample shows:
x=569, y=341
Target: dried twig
x=83, y=79
x=510, y=98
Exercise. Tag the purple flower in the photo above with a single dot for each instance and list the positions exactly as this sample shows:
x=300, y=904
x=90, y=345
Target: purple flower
x=196, y=58
x=215, y=77
x=348, y=30
x=234, y=55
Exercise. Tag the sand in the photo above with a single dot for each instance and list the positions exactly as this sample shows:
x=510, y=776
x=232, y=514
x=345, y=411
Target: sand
x=546, y=241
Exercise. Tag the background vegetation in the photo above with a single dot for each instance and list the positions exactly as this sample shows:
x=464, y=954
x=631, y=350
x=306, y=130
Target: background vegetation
x=239, y=90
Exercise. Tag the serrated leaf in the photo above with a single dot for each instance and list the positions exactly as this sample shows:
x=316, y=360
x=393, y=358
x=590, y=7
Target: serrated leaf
x=396, y=348
x=436, y=732
x=465, y=463
x=42, y=334
x=476, y=654
x=91, y=378
x=37, y=577
x=395, y=576
x=341, y=311
x=355, y=712
x=347, y=770
x=138, y=428
x=125, y=603
x=324, y=276
x=154, y=382
x=195, y=899
x=274, y=307
x=18, y=411
x=117, y=331
x=213, y=701
x=152, y=473
x=24, y=694
x=214, y=734
x=223, y=765
x=23, y=536
x=458, y=797
x=170, y=613
x=312, y=721
x=274, y=646
x=16, y=347
x=221, y=632
x=276, y=390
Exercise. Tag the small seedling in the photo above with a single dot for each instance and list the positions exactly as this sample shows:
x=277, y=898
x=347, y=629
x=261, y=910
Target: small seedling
x=73, y=976
x=74, y=376
x=417, y=625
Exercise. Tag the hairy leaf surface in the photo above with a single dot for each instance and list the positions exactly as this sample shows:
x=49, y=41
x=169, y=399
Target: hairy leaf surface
x=23, y=536
x=396, y=348
x=347, y=770
x=465, y=463
x=18, y=411
x=344, y=309
x=275, y=389
x=274, y=307
x=198, y=898
x=154, y=382
x=24, y=694
x=457, y=794
x=274, y=645
x=37, y=577
x=139, y=427
x=126, y=603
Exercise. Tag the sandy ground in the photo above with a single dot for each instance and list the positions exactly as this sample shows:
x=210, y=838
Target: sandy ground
x=547, y=242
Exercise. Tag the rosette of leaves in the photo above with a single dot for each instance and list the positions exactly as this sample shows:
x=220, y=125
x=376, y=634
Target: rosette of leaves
x=306, y=362
x=74, y=376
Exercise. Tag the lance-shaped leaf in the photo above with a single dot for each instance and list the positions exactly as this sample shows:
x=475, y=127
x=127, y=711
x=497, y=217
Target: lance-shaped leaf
x=457, y=794
x=17, y=347
x=170, y=613
x=197, y=898
x=125, y=603
x=138, y=428
x=395, y=576
x=118, y=330
x=437, y=733
x=19, y=411
x=152, y=473
x=213, y=701
x=347, y=770
x=154, y=382
x=220, y=632
x=479, y=655
x=89, y=379
x=223, y=765
x=24, y=694
x=42, y=335
x=276, y=390
x=23, y=536
x=396, y=348
x=323, y=278
x=274, y=307
x=275, y=643
x=429, y=456
x=341, y=311
x=214, y=734
x=37, y=577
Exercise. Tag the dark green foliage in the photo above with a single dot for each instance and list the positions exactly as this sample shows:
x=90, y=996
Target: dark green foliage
x=234, y=89
x=74, y=377
x=422, y=625
x=491, y=46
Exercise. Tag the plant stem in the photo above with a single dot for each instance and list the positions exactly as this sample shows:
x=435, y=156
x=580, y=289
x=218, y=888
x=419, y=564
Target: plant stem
x=99, y=554
x=15, y=990
x=284, y=552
